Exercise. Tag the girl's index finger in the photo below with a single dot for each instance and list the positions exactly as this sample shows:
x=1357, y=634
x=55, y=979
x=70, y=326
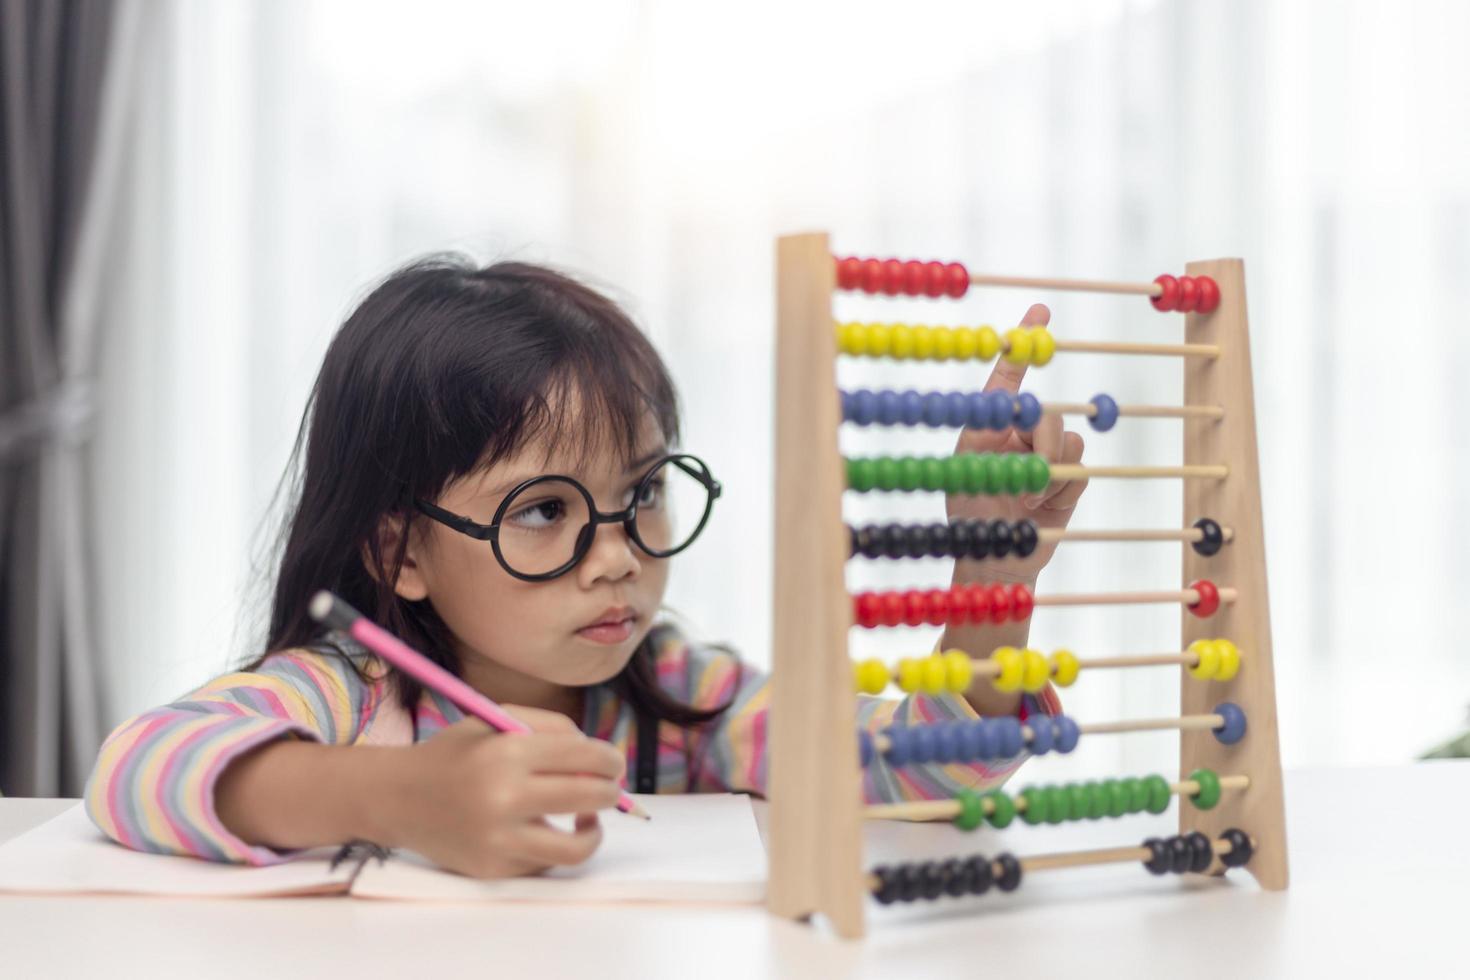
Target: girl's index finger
x=1006, y=375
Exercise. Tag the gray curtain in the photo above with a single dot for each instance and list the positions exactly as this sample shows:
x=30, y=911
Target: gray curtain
x=54, y=69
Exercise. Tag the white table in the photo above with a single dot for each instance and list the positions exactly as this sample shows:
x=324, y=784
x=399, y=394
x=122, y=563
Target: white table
x=1380, y=886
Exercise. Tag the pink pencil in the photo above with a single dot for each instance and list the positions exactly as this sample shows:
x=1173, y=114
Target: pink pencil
x=327, y=608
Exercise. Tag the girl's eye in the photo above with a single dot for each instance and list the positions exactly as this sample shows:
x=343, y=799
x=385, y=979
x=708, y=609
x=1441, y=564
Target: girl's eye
x=541, y=514
x=653, y=493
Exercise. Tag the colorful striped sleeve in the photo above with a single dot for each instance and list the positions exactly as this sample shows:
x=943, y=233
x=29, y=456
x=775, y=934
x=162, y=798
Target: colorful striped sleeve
x=729, y=754
x=152, y=788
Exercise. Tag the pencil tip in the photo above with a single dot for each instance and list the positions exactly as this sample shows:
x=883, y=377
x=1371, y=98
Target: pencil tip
x=637, y=811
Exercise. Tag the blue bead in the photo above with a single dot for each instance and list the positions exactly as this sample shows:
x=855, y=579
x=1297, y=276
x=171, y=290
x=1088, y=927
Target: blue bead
x=958, y=408
x=865, y=407
x=935, y=409
x=1041, y=730
x=1028, y=411
x=898, y=745
x=1002, y=409
x=1065, y=733
x=1234, y=728
x=924, y=743
x=947, y=742
x=865, y=748
x=979, y=405
x=1107, y=413
x=845, y=400
x=973, y=740
x=1008, y=741
x=889, y=411
x=911, y=407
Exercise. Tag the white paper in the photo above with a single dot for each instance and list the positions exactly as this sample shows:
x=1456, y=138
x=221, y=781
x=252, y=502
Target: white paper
x=697, y=848
x=69, y=855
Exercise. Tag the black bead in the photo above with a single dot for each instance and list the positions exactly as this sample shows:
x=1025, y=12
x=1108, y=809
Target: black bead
x=1158, y=856
x=1240, y=848
x=977, y=874
x=895, y=540
x=954, y=878
x=931, y=882
x=887, y=890
x=959, y=539
x=1026, y=538
x=907, y=882
x=1181, y=855
x=1010, y=872
x=979, y=539
x=1203, y=852
x=1000, y=538
x=917, y=541
x=1211, y=537
x=938, y=540
x=871, y=541
x=852, y=541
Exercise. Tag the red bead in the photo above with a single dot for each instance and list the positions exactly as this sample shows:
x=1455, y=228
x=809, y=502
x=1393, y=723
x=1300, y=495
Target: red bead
x=1166, y=302
x=872, y=276
x=939, y=606
x=913, y=277
x=1209, y=295
x=977, y=602
x=867, y=609
x=1188, y=294
x=849, y=273
x=892, y=606
x=956, y=280
x=915, y=608
x=1021, y=602
x=1000, y=604
x=934, y=279
x=1209, y=598
x=892, y=277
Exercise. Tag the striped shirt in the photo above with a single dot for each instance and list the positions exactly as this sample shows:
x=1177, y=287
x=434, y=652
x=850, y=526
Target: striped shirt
x=152, y=788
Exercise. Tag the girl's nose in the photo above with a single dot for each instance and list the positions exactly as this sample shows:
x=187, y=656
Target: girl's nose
x=612, y=557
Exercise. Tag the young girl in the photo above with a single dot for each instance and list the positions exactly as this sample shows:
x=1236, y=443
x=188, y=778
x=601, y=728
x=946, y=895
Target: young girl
x=490, y=473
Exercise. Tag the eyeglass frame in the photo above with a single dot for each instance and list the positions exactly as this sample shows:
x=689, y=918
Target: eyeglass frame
x=628, y=516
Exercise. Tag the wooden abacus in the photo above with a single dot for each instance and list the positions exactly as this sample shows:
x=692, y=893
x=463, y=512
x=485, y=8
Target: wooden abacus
x=1232, y=776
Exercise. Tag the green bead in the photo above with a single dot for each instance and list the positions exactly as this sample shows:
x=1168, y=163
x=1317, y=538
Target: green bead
x=1076, y=801
x=1209, y=788
x=935, y=472
x=859, y=474
x=885, y=472
x=973, y=471
x=1117, y=797
x=1002, y=809
x=910, y=473
x=1158, y=793
x=1056, y=804
x=1097, y=801
x=1038, y=472
x=1014, y=473
x=972, y=811
x=1035, y=811
x=989, y=474
x=954, y=475
x=1137, y=794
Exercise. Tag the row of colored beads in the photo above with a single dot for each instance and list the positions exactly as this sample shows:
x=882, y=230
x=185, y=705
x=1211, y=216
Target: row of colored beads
x=977, y=409
x=956, y=605
x=1187, y=294
x=972, y=740
x=963, y=538
x=970, y=473
x=1219, y=660
x=952, y=877
x=893, y=277
x=1080, y=801
x=1179, y=853
x=920, y=342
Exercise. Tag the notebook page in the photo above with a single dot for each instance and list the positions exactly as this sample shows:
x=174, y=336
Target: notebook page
x=697, y=848
x=69, y=855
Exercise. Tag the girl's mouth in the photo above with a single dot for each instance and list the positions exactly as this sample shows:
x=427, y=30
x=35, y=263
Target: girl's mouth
x=613, y=627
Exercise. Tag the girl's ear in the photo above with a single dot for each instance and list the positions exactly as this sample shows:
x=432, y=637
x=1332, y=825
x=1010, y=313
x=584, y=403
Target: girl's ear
x=411, y=583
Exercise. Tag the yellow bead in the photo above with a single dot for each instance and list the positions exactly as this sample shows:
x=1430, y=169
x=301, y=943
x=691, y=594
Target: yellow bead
x=910, y=674
x=966, y=343
x=923, y=342
x=1064, y=668
x=878, y=339
x=851, y=338
x=1035, y=671
x=936, y=675
x=944, y=341
x=1018, y=341
x=901, y=341
x=1011, y=668
x=1043, y=346
x=871, y=676
x=959, y=670
x=989, y=343
x=1209, y=659
x=1229, y=660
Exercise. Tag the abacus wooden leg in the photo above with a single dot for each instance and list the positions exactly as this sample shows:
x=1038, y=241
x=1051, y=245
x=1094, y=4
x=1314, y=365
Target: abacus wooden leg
x=814, y=786
x=1235, y=502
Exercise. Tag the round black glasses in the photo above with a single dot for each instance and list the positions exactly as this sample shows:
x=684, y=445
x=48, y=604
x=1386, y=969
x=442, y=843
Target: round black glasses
x=546, y=525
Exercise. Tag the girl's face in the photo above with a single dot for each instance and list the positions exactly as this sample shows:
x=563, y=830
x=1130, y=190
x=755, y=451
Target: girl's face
x=518, y=640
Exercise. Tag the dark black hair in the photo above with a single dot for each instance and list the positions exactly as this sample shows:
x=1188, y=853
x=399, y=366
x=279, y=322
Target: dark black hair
x=443, y=369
